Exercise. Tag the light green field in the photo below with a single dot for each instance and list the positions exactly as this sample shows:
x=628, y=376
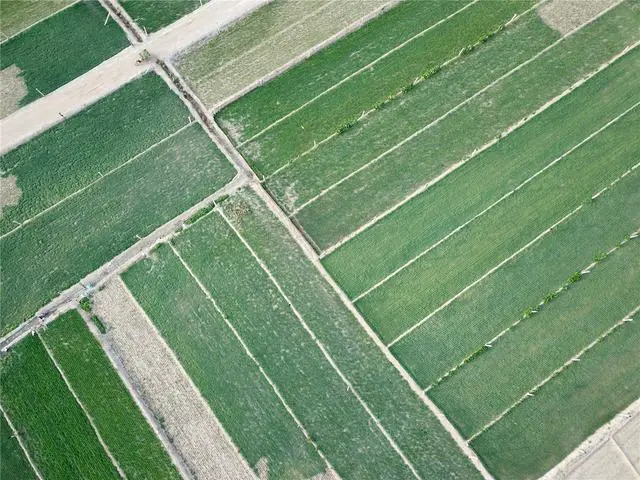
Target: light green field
x=60, y=247
x=52, y=425
x=214, y=359
x=55, y=51
x=155, y=14
x=361, y=92
x=413, y=427
x=497, y=378
x=309, y=384
x=544, y=429
x=427, y=101
x=264, y=41
x=16, y=15
x=502, y=168
x=445, y=270
x=14, y=464
x=388, y=181
x=476, y=317
x=125, y=431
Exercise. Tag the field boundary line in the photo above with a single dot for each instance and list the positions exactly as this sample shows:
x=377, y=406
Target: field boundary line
x=584, y=271
x=15, y=434
x=248, y=352
x=97, y=180
x=357, y=72
x=322, y=348
x=416, y=81
x=575, y=358
x=81, y=405
x=485, y=275
x=264, y=42
x=312, y=256
x=477, y=151
x=497, y=202
x=39, y=21
x=146, y=412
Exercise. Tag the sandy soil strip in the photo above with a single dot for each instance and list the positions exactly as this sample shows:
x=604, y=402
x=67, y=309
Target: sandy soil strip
x=357, y=72
x=86, y=413
x=472, y=155
x=497, y=202
x=322, y=348
x=627, y=318
x=166, y=388
x=97, y=180
x=252, y=357
x=565, y=15
x=39, y=21
x=17, y=437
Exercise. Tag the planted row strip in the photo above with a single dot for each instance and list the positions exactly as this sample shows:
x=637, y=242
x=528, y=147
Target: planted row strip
x=6, y=435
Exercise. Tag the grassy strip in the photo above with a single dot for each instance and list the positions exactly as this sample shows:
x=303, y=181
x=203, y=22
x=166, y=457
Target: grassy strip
x=54, y=52
x=53, y=252
x=462, y=196
x=307, y=381
x=86, y=146
x=531, y=352
x=319, y=119
x=417, y=432
x=214, y=359
x=97, y=321
x=199, y=214
x=16, y=16
x=14, y=464
x=130, y=439
x=152, y=15
x=52, y=425
x=525, y=444
x=485, y=311
x=388, y=181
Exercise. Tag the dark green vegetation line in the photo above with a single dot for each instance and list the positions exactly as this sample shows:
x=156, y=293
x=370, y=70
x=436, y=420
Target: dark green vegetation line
x=63, y=47
x=13, y=464
x=125, y=431
x=50, y=422
x=152, y=15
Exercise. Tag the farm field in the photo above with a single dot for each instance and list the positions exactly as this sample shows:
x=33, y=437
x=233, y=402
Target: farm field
x=265, y=41
x=17, y=15
x=53, y=52
x=14, y=463
x=152, y=15
x=104, y=203
x=124, y=430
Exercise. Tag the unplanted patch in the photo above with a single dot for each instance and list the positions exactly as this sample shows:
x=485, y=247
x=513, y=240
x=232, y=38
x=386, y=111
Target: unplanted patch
x=566, y=15
x=12, y=90
x=10, y=193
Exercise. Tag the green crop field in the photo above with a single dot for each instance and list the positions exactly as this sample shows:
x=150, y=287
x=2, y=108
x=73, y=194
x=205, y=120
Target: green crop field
x=17, y=15
x=105, y=216
x=155, y=14
x=14, y=464
x=130, y=439
x=54, y=52
x=52, y=425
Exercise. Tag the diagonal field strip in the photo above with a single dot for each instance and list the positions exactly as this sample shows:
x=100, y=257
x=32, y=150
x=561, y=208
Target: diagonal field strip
x=39, y=21
x=576, y=358
x=462, y=104
x=354, y=74
x=97, y=180
x=497, y=202
x=475, y=153
x=322, y=348
x=506, y=260
x=584, y=271
x=264, y=42
x=15, y=434
x=84, y=410
x=251, y=356
x=417, y=81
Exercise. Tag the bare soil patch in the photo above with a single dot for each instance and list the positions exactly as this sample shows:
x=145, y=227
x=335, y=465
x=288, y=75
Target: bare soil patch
x=12, y=90
x=10, y=193
x=165, y=387
x=565, y=15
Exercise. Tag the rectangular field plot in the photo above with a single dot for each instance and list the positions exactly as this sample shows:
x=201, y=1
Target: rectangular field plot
x=538, y=433
x=101, y=203
x=117, y=418
x=52, y=425
x=55, y=51
x=152, y=15
x=14, y=463
x=17, y=15
x=265, y=41
x=356, y=84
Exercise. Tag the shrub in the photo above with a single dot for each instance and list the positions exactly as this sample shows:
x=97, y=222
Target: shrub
x=85, y=304
x=98, y=323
